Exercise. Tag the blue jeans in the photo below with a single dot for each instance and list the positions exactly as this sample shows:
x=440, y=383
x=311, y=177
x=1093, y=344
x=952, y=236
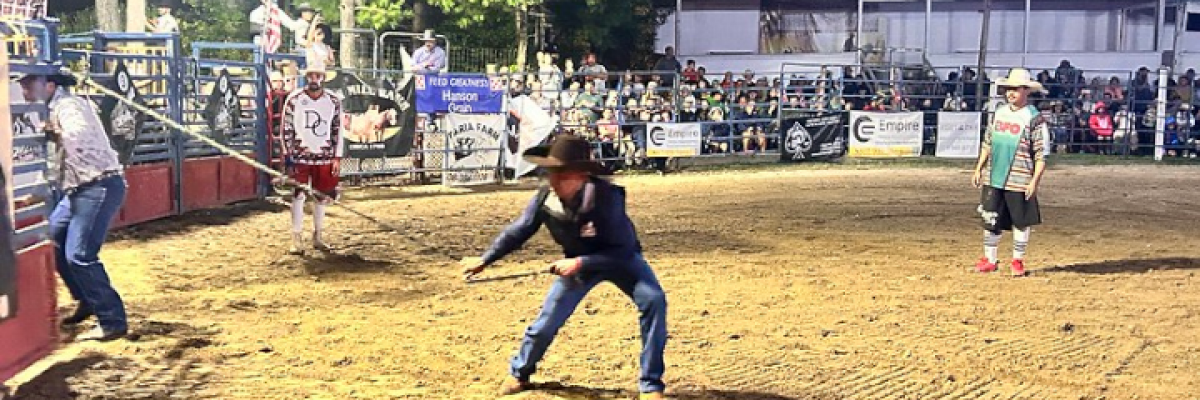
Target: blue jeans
x=638, y=282
x=79, y=225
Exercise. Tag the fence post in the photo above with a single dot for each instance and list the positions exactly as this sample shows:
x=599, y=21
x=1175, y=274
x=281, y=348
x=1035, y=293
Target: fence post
x=1161, y=114
x=262, y=135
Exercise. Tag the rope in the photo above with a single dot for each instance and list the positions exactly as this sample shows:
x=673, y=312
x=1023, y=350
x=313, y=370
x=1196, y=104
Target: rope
x=230, y=152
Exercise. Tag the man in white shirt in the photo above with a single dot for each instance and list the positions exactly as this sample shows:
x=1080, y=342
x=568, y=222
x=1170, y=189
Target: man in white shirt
x=301, y=28
x=91, y=180
x=165, y=23
x=313, y=149
x=430, y=58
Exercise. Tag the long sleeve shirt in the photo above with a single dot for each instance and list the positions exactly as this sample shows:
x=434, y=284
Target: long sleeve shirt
x=312, y=127
x=426, y=60
x=594, y=227
x=84, y=151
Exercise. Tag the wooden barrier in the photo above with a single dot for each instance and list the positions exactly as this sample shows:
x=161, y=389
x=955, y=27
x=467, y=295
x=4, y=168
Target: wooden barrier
x=151, y=194
x=33, y=333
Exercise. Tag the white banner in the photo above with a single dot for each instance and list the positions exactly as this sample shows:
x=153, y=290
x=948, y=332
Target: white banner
x=473, y=148
x=886, y=134
x=958, y=135
x=673, y=139
x=535, y=126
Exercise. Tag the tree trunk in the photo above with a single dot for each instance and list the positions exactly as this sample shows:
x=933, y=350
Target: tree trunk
x=108, y=16
x=422, y=15
x=348, y=39
x=522, y=38
x=135, y=15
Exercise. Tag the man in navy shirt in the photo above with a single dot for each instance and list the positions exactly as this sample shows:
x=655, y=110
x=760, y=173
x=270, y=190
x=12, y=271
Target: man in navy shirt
x=586, y=216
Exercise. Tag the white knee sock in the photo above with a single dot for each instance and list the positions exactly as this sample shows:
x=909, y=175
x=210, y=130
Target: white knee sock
x=318, y=219
x=298, y=213
x=1020, y=242
x=991, y=244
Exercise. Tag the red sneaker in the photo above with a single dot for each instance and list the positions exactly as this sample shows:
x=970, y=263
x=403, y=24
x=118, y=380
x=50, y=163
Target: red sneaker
x=984, y=265
x=1018, y=267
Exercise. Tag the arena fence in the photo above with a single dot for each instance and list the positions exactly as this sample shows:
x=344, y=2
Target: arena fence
x=27, y=289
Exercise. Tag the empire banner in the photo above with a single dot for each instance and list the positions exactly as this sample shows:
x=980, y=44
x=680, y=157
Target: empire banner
x=813, y=136
x=122, y=122
x=380, y=117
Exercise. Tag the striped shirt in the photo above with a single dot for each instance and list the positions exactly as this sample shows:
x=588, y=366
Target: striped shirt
x=1015, y=142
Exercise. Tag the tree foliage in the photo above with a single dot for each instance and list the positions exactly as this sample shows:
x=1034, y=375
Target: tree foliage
x=621, y=32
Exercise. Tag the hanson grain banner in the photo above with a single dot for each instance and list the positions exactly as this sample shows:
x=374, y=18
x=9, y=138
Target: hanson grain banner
x=886, y=134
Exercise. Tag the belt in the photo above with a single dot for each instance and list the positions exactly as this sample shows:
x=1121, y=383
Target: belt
x=98, y=178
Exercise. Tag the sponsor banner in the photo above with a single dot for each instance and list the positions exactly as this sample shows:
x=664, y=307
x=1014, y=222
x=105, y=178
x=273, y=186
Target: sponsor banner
x=8, y=263
x=123, y=123
x=958, y=134
x=474, y=145
x=673, y=139
x=886, y=134
x=378, y=117
x=813, y=136
x=462, y=94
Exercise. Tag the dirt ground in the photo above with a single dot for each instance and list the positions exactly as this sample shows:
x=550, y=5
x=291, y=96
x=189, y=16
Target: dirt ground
x=786, y=283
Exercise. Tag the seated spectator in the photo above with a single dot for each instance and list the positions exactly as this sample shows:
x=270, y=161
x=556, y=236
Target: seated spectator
x=1125, y=135
x=691, y=75
x=1060, y=125
x=1115, y=89
x=1101, y=124
x=751, y=131
x=717, y=137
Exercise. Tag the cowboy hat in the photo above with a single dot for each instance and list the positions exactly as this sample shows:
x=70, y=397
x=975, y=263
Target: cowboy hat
x=165, y=3
x=62, y=77
x=428, y=37
x=1020, y=77
x=566, y=153
x=302, y=7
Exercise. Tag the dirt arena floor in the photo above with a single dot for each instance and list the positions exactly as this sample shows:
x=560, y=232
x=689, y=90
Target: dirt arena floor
x=783, y=283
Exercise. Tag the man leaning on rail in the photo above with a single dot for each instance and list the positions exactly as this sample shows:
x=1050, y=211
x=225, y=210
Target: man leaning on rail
x=92, y=186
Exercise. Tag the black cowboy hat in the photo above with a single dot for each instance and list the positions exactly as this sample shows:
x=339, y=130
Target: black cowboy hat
x=165, y=3
x=566, y=153
x=62, y=77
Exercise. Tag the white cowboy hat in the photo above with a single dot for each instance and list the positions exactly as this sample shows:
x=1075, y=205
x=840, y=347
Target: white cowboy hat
x=428, y=36
x=315, y=67
x=1020, y=77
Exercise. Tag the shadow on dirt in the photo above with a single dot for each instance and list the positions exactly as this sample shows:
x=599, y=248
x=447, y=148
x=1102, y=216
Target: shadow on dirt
x=369, y=193
x=335, y=262
x=194, y=220
x=566, y=391
x=1127, y=266
x=99, y=376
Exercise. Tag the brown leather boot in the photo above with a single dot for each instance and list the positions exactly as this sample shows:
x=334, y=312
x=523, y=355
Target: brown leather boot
x=513, y=386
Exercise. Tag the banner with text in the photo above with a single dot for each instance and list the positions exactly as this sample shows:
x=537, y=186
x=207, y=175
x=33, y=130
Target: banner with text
x=673, y=139
x=475, y=143
x=958, y=135
x=813, y=137
x=886, y=134
x=463, y=94
x=379, y=118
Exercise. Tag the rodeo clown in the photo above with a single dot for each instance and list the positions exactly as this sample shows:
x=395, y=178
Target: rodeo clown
x=1010, y=167
x=586, y=216
x=312, y=139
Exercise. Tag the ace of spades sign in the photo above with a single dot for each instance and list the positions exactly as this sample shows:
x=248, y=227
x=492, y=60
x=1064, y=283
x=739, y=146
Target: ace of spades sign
x=122, y=122
x=223, y=109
